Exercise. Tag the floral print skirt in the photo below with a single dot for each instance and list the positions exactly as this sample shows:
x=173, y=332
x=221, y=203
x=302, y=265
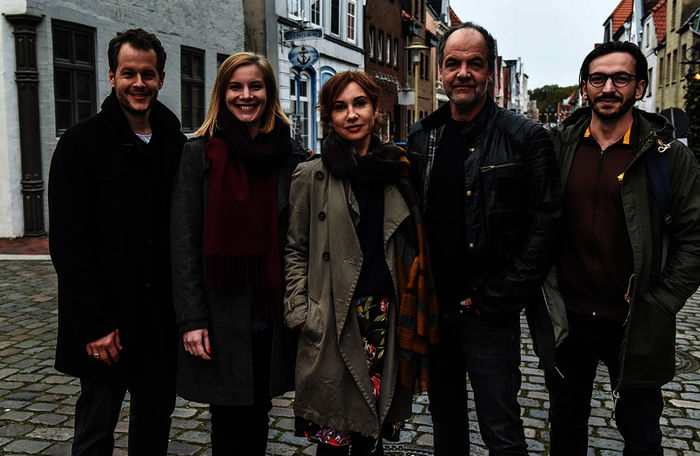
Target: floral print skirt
x=372, y=318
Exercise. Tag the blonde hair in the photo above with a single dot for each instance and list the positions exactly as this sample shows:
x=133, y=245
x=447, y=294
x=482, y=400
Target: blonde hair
x=218, y=95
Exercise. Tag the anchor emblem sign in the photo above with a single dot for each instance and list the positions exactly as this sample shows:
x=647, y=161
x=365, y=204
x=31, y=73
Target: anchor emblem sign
x=303, y=56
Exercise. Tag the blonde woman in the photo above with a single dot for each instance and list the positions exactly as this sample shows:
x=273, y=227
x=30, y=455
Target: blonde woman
x=229, y=218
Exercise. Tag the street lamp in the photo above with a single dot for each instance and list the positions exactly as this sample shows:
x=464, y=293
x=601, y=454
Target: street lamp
x=415, y=58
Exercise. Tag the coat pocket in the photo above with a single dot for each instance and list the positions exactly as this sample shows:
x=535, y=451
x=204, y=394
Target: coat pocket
x=651, y=342
x=313, y=326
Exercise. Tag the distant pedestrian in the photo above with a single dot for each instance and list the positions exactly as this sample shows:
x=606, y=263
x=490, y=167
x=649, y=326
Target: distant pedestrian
x=358, y=281
x=487, y=180
x=109, y=208
x=629, y=255
x=230, y=215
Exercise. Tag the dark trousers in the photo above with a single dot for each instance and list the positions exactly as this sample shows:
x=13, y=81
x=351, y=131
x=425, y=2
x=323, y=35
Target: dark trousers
x=242, y=429
x=591, y=340
x=97, y=414
x=490, y=354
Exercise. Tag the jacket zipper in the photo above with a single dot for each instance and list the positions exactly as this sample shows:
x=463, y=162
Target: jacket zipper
x=487, y=168
x=623, y=346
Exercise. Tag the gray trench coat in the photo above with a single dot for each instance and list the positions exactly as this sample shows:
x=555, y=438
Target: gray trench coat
x=323, y=262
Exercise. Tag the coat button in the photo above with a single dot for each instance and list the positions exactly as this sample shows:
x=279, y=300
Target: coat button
x=471, y=245
x=469, y=193
x=322, y=215
x=320, y=175
x=326, y=256
x=472, y=149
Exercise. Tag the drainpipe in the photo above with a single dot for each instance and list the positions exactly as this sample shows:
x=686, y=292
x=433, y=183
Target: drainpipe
x=27, y=79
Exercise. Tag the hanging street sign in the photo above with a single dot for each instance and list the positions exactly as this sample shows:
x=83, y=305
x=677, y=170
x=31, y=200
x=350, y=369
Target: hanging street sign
x=303, y=56
x=303, y=34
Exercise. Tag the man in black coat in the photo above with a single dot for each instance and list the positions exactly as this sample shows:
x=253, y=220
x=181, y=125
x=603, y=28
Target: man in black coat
x=109, y=210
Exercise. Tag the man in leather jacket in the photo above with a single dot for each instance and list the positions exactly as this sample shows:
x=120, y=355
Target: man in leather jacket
x=109, y=205
x=488, y=182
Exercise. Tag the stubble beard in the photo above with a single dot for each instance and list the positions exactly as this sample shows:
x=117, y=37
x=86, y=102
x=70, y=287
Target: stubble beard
x=612, y=115
x=128, y=107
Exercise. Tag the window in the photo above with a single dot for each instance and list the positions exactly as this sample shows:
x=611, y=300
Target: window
x=351, y=20
x=295, y=8
x=335, y=17
x=651, y=81
x=673, y=15
x=647, y=33
x=388, y=50
x=192, y=91
x=370, y=46
x=684, y=51
x=668, y=68
x=396, y=52
x=661, y=71
x=74, y=73
x=674, y=68
x=380, y=42
x=316, y=12
x=220, y=59
x=422, y=59
x=301, y=112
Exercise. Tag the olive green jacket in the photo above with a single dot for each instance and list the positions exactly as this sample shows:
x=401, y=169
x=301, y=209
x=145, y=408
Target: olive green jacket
x=647, y=355
x=322, y=266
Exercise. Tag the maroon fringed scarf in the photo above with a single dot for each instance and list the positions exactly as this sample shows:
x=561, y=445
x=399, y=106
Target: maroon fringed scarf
x=241, y=250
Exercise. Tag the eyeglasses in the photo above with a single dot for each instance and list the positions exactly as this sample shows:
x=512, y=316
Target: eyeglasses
x=619, y=80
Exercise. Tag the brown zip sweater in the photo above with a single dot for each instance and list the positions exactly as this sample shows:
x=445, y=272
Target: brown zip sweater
x=595, y=261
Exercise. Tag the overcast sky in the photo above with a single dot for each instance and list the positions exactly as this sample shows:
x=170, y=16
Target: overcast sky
x=551, y=36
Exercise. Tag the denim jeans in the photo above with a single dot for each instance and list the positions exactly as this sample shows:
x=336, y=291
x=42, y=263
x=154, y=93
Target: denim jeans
x=593, y=339
x=489, y=353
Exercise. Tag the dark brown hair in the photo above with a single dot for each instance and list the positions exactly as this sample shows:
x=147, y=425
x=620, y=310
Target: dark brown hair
x=332, y=88
x=138, y=39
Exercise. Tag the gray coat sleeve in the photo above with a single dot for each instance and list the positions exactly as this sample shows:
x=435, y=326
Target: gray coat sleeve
x=186, y=231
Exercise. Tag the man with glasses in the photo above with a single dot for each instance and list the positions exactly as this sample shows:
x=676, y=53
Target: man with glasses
x=620, y=285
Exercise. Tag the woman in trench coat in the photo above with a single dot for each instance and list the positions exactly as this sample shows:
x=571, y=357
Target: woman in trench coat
x=229, y=218
x=356, y=265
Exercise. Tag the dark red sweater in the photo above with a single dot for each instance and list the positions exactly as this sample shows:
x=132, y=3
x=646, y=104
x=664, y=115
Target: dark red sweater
x=595, y=260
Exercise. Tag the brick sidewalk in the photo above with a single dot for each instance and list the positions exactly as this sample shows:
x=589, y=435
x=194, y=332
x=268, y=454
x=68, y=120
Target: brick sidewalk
x=36, y=402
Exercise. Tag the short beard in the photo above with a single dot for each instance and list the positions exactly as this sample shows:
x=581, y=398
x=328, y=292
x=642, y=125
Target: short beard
x=624, y=109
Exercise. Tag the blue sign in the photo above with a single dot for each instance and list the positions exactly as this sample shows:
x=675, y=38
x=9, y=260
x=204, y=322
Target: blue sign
x=303, y=34
x=303, y=56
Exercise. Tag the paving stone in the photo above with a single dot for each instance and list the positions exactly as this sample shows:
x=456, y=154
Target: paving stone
x=49, y=419
x=16, y=415
x=195, y=437
x=26, y=446
x=14, y=430
x=51, y=433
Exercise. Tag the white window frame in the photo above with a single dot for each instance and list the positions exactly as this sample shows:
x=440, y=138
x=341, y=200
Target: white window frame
x=351, y=20
x=372, y=37
x=319, y=12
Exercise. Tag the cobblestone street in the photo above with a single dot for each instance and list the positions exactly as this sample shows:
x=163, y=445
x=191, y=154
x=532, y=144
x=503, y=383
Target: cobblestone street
x=36, y=402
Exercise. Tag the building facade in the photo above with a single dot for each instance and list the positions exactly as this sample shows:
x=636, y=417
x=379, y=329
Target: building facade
x=385, y=62
x=55, y=68
x=681, y=37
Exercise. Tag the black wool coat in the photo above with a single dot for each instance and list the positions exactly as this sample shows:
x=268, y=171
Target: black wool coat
x=109, y=212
